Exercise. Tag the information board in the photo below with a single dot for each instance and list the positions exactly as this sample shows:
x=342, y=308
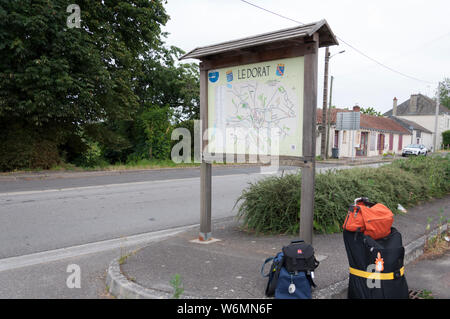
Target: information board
x=250, y=105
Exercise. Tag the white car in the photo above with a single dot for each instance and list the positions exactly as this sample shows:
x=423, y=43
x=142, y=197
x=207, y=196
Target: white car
x=414, y=149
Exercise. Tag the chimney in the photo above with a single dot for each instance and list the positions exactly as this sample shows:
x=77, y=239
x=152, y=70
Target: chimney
x=356, y=108
x=413, y=103
x=394, y=108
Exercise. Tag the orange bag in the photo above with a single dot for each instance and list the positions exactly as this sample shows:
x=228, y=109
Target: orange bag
x=374, y=220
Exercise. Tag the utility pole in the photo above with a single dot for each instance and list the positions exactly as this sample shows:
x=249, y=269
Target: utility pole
x=324, y=129
x=436, y=117
x=328, y=117
x=323, y=137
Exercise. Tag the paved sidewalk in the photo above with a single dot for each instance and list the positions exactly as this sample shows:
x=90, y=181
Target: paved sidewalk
x=432, y=275
x=230, y=267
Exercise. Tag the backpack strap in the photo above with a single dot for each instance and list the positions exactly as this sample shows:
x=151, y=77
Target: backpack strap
x=264, y=264
x=310, y=279
x=316, y=263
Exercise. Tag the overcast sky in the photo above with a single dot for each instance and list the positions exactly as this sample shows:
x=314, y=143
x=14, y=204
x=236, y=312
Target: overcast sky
x=410, y=36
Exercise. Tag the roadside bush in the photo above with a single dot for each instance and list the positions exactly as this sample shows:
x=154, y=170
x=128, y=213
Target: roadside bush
x=25, y=147
x=446, y=138
x=272, y=205
x=92, y=156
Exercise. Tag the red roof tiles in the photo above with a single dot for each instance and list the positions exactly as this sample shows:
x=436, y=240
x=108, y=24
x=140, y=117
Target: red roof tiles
x=369, y=122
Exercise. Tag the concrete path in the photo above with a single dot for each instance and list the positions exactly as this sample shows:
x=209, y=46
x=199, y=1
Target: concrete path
x=230, y=267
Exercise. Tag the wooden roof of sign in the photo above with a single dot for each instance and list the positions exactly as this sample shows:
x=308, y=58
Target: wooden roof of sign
x=277, y=39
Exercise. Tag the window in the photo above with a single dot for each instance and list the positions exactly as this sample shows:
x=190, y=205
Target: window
x=373, y=141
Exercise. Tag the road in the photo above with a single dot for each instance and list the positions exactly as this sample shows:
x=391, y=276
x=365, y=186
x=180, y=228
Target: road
x=47, y=224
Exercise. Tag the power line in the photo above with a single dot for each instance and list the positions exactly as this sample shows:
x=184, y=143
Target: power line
x=409, y=52
x=346, y=43
x=277, y=14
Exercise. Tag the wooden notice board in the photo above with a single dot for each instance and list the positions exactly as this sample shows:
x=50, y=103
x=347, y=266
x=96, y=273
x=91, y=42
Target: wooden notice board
x=258, y=100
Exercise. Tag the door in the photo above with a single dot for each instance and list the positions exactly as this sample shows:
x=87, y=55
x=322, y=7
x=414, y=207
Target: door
x=362, y=151
x=380, y=144
x=391, y=141
x=364, y=142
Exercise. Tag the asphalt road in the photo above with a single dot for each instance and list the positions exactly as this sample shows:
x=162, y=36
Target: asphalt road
x=46, y=224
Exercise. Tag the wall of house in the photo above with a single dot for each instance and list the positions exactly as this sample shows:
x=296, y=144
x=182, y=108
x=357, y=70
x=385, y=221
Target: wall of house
x=425, y=139
x=427, y=121
x=345, y=142
x=372, y=146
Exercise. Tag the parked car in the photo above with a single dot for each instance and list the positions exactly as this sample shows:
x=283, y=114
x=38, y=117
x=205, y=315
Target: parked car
x=414, y=149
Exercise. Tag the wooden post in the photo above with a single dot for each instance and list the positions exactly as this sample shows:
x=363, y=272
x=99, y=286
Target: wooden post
x=205, y=168
x=309, y=140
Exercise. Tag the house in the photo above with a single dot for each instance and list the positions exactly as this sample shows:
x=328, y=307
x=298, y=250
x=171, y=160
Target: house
x=421, y=109
x=419, y=134
x=377, y=135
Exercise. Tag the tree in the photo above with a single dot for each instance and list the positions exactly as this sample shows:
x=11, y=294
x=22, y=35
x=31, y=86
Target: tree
x=444, y=92
x=58, y=79
x=370, y=111
x=446, y=138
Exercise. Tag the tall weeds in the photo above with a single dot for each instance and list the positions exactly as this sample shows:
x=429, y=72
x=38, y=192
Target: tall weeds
x=272, y=205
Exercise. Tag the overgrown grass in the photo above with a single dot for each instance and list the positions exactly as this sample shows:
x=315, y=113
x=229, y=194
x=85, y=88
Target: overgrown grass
x=141, y=164
x=272, y=205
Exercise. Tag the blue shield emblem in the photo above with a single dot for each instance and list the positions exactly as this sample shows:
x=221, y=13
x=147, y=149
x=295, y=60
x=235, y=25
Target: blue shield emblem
x=280, y=69
x=229, y=76
x=213, y=76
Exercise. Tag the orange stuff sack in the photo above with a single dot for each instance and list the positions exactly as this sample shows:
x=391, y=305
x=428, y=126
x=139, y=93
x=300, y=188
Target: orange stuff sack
x=354, y=221
x=375, y=221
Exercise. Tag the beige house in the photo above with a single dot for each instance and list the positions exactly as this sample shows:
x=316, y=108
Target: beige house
x=420, y=135
x=421, y=109
x=377, y=135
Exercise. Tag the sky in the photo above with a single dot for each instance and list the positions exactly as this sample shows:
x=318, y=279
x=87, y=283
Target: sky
x=409, y=36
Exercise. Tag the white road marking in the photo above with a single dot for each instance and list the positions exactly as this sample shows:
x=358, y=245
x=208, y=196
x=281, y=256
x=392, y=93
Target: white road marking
x=74, y=251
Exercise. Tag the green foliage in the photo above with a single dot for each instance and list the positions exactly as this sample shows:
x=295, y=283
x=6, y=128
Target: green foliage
x=175, y=282
x=157, y=129
x=370, y=111
x=272, y=205
x=22, y=146
x=92, y=156
x=444, y=92
x=446, y=138
x=52, y=72
x=91, y=87
x=165, y=82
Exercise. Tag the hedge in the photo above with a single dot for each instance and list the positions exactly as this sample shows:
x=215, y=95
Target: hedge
x=272, y=205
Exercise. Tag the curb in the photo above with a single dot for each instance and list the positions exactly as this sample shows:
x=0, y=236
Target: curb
x=121, y=287
x=11, y=177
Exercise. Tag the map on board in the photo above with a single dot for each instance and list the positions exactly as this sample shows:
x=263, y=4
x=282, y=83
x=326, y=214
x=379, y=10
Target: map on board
x=257, y=108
